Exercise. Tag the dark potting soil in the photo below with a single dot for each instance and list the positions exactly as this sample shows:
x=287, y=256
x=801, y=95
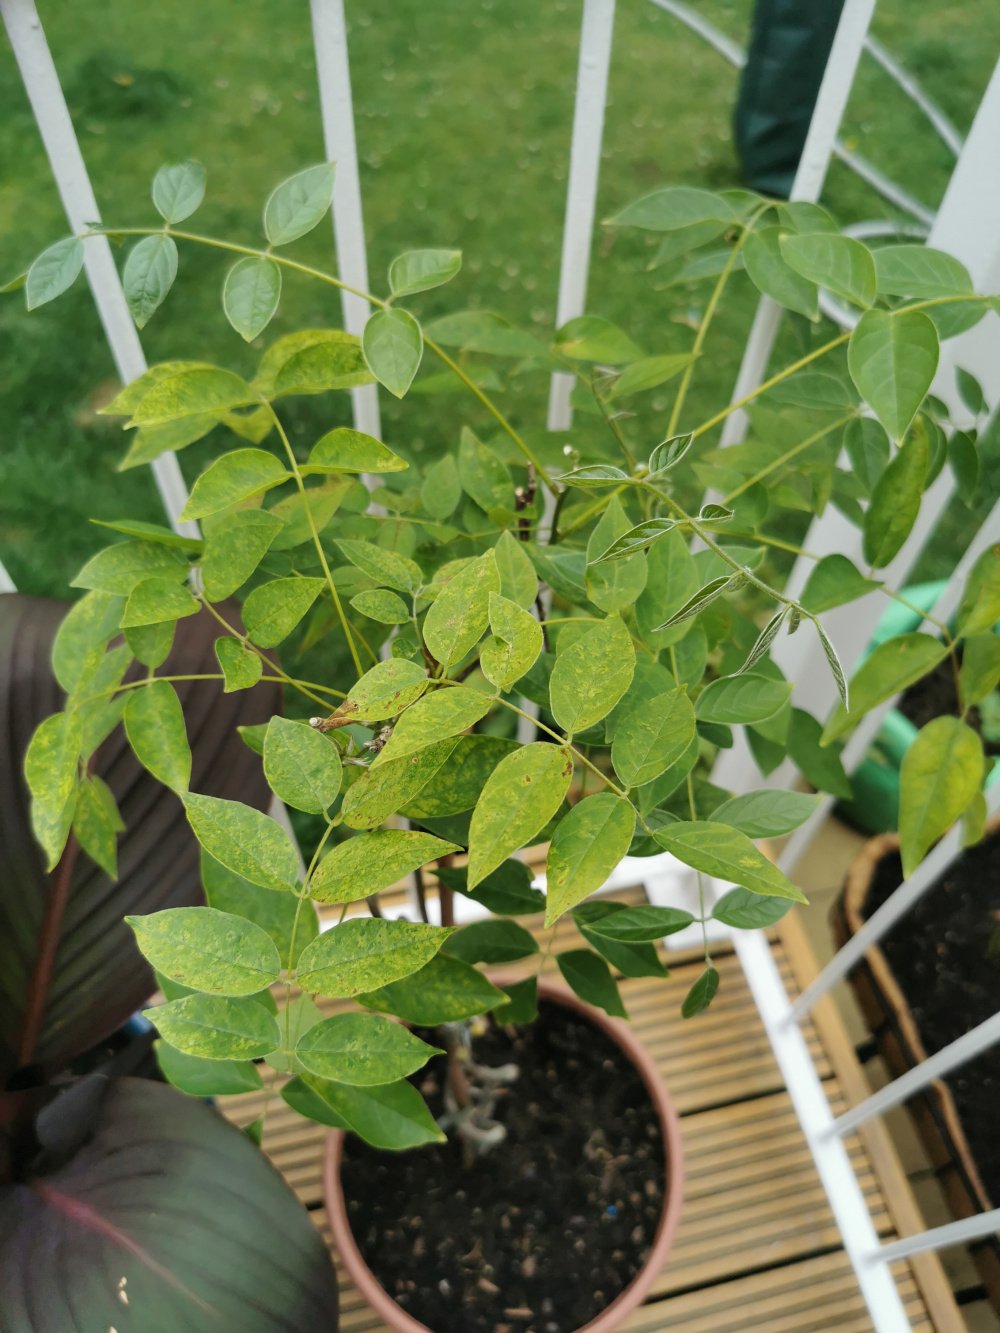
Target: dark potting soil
x=540, y=1234
x=945, y=955
x=934, y=695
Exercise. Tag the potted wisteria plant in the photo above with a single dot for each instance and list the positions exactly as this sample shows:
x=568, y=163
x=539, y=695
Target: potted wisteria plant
x=502, y=642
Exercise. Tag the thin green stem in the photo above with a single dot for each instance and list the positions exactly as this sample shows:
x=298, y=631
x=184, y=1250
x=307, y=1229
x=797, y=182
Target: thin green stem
x=305, y=688
x=314, y=533
x=786, y=457
x=706, y=321
x=303, y=897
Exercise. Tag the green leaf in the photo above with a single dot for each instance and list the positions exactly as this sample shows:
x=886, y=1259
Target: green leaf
x=819, y=764
x=281, y=915
x=631, y=960
x=345, y=450
x=595, y=475
x=234, y=546
x=189, y=390
x=890, y=669
x=491, y=942
x=311, y=509
x=521, y=1006
x=701, y=994
x=420, y=270
x=312, y=361
x=745, y=698
x=446, y=712
x=766, y=813
x=118, y=568
x=272, y=611
x=386, y=690
x=674, y=207
x=652, y=735
x=701, y=599
x=302, y=766
x=208, y=950
x=53, y=272
x=456, y=620
x=250, y=295
x=979, y=608
x=362, y=865
x=892, y=359
x=169, y=437
x=97, y=823
x=441, y=489
x=381, y=606
x=591, y=676
x=506, y=891
x=393, y=346
x=156, y=600
x=50, y=767
x=964, y=460
x=215, y=1027
x=867, y=447
x=82, y=635
x=749, y=911
x=205, y=1078
x=941, y=773
x=154, y=724
x=589, y=976
x=241, y=668
x=484, y=478
x=393, y=1117
x=669, y=452
x=722, y=851
x=641, y=925
x=387, y=567
x=151, y=644
x=587, y=844
x=362, y=1050
x=895, y=502
x=445, y=990
x=833, y=661
x=392, y=787
x=244, y=841
x=834, y=581
x=980, y=671
x=649, y=373
x=298, y=204
x=671, y=581
x=616, y=572
x=520, y=797
x=516, y=643
x=838, y=263
x=149, y=274
x=178, y=190
x=361, y=955
x=775, y=277
x=919, y=271
x=233, y=477
x=591, y=338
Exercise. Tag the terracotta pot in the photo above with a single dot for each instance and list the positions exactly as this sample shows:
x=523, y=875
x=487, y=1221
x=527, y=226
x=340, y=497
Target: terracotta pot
x=890, y=1020
x=633, y=1295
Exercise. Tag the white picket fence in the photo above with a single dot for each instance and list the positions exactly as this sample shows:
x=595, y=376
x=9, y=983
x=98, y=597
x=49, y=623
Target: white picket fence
x=967, y=226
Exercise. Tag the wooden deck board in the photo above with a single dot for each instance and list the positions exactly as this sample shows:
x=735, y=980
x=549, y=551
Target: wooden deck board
x=757, y=1246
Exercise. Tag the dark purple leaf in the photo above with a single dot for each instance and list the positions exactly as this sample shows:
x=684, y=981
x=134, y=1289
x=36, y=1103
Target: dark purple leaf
x=167, y=1218
x=70, y=973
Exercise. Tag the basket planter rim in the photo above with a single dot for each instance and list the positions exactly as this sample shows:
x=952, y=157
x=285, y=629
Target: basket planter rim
x=633, y=1295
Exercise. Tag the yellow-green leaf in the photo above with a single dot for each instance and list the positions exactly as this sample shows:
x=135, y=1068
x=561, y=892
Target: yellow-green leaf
x=513, y=650
x=362, y=1050
x=272, y=611
x=235, y=476
x=587, y=844
x=718, y=849
x=652, y=735
x=446, y=712
x=363, y=954
x=217, y=1027
x=940, y=776
x=457, y=618
x=302, y=766
x=154, y=724
x=362, y=865
x=244, y=840
x=208, y=950
x=520, y=797
x=591, y=676
x=345, y=450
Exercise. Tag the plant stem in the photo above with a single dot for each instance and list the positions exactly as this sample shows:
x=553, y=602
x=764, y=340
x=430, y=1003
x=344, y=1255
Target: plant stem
x=786, y=457
x=314, y=533
x=304, y=688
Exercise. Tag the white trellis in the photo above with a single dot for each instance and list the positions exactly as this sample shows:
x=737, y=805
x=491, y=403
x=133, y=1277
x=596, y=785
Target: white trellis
x=967, y=225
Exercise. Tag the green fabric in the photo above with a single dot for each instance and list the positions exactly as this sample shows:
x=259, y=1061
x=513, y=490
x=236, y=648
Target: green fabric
x=789, y=45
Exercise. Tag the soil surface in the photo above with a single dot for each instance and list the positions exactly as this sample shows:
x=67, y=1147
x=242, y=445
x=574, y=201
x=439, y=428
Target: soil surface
x=540, y=1234
x=934, y=695
x=945, y=954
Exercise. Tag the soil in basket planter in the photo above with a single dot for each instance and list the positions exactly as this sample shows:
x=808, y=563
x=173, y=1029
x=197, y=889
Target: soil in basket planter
x=541, y=1233
x=945, y=954
x=934, y=695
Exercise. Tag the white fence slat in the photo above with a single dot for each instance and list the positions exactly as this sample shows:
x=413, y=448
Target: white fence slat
x=337, y=110
x=813, y=165
x=939, y=1238
x=956, y=1053
x=596, y=35
x=897, y=905
x=7, y=584
x=48, y=103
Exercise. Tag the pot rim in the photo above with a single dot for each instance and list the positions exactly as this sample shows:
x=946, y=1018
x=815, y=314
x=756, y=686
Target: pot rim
x=631, y=1296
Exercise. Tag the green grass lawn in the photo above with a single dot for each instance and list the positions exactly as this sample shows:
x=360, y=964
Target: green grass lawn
x=463, y=115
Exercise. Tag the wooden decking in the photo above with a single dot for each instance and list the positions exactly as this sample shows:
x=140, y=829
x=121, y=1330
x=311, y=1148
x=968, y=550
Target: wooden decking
x=757, y=1246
